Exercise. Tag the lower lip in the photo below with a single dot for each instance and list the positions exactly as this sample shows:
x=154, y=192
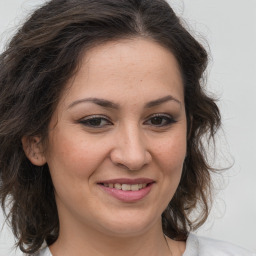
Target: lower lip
x=128, y=196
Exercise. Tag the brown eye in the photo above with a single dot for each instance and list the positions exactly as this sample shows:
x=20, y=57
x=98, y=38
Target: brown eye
x=157, y=120
x=95, y=122
x=160, y=120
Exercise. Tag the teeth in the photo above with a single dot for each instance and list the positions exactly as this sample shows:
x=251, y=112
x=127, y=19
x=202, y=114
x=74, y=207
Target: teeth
x=135, y=187
x=126, y=187
x=118, y=186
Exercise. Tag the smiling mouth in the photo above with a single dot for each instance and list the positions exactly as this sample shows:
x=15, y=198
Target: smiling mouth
x=127, y=190
x=125, y=187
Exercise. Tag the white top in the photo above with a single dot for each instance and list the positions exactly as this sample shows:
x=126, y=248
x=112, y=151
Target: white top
x=197, y=246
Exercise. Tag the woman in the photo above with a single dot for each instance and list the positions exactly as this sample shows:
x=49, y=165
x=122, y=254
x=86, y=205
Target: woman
x=102, y=131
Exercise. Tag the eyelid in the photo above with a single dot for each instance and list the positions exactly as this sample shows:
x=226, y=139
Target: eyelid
x=160, y=115
x=91, y=117
x=163, y=115
x=94, y=116
x=169, y=119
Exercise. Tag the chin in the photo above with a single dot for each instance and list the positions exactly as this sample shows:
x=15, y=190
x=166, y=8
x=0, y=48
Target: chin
x=128, y=224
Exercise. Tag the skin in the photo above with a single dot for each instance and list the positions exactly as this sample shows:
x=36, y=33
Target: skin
x=123, y=142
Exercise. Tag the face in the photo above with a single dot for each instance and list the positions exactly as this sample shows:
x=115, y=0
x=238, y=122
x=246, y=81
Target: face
x=117, y=140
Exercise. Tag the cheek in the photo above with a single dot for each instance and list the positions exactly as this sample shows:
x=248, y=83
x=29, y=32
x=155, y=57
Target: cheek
x=171, y=153
x=170, y=157
x=73, y=155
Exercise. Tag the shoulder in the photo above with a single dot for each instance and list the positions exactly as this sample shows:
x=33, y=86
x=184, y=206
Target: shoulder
x=220, y=248
x=202, y=246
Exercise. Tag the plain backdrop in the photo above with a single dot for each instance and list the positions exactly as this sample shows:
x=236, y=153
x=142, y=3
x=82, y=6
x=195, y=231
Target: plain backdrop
x=228, y=29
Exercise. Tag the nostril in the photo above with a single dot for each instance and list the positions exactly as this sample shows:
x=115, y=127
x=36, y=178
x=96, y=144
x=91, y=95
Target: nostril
x=129, y=158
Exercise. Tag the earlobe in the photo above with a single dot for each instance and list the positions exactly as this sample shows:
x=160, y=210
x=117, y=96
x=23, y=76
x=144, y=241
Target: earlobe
x=33, y=149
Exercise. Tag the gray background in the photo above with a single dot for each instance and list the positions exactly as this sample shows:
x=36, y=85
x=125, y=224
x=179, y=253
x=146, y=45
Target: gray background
x=229, y=27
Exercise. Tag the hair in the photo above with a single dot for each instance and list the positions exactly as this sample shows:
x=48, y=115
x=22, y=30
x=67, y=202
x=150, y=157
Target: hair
x=34, y=70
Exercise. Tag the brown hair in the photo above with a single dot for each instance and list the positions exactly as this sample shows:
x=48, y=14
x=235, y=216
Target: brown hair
x=34, y=70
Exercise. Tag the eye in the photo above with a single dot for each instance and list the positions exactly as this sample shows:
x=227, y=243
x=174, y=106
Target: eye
x=95, y=121
x=160, y=120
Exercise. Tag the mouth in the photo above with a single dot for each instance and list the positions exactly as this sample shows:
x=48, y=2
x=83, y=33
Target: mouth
x=127, y=190
x=125, y=187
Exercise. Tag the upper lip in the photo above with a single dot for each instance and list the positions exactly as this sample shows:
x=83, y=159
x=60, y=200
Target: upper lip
x=127, y=181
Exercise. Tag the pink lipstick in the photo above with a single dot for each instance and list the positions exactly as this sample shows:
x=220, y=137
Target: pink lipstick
x=127, y=190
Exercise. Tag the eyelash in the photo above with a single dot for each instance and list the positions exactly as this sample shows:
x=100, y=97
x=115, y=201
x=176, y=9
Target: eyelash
x=86, y=121
x=95, y=118
x=168, y=119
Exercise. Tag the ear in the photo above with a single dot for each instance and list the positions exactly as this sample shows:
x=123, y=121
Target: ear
x=33, y=149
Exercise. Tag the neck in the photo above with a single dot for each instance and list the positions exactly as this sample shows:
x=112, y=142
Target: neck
x=89, y=241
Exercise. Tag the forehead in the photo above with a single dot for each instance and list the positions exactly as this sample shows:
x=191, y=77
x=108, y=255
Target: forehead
x=126, y=68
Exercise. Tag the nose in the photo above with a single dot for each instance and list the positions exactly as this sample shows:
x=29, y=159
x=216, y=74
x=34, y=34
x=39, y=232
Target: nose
x=129, y=150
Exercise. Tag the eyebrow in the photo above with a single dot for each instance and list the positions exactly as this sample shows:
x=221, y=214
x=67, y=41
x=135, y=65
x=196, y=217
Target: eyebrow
x=101, y=102
x=161, y=101
x=109, y=104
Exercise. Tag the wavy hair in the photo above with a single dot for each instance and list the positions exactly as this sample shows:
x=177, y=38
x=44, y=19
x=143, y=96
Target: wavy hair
x=34, y=70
